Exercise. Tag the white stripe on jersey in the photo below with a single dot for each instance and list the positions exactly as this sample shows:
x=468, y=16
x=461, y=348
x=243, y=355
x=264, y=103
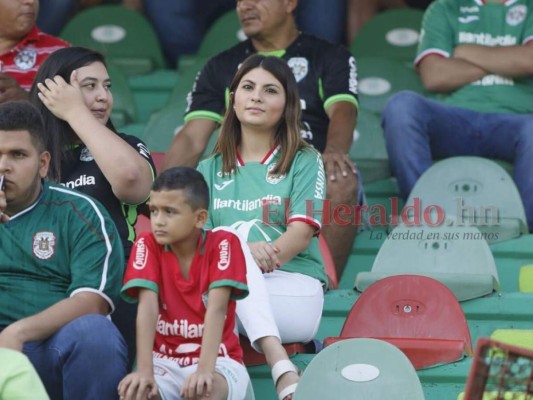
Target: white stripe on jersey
x=102, y=225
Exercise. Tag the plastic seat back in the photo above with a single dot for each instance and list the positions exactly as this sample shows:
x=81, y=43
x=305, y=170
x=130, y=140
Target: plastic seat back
x=393, y=33
x=472, y=191
x=359, y=369
x=379, y=78
x=418, y=314
x=224, y=33
x=124, y=36
x=124, y=109
x=457, y=256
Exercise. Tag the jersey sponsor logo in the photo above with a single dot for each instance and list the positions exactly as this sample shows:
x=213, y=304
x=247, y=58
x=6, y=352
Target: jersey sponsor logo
x=141, y=255
x=180, y=327
x=26, y=59
x=320, y=185
x=86, y=155
x=44, y=245
x=83, y=180
x=472, y=9
x=224, y=255
x=486, y=39
x=468, y=19
x=246, y=205
x=271, y=178
x=516, y=15
x=223, y=185
x=299, y=67
x=491, y=80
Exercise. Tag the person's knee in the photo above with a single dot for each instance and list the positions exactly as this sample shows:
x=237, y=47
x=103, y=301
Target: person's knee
x=399, y=107
x=96, y=334
x=343, y=190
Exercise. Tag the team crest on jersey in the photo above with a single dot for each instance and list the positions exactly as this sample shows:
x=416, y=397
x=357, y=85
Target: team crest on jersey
x=86, y=155
x=299, y=67
x=26, y=59
x=44, y=244
x=516, y=15
x=271, y=178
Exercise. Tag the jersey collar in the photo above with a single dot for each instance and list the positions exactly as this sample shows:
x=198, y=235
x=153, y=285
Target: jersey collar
x=266, y=160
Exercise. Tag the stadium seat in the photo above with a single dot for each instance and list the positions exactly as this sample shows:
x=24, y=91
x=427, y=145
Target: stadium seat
x=393, y=33
x=124, y=36
x=380, y=78
x=366, y=369
x=368, y=149
x=417, y=314
x=224, y=33
x=124, y=111
x=516, y=337
x=164, y=124
x=457, y=256
x=525, y=279
x=468, y=191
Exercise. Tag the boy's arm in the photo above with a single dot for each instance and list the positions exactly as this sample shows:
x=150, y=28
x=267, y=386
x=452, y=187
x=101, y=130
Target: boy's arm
x=201, y=382
x=141, y=383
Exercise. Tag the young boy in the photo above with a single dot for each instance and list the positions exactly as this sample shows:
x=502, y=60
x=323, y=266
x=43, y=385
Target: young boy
x=186, y=280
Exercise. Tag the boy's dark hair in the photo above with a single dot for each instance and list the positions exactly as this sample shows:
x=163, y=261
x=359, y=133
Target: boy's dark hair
x=22, y=116
x=187, y=179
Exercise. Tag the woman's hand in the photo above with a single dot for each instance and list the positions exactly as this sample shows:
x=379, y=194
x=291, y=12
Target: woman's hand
x=64, y=100
x=265, y=255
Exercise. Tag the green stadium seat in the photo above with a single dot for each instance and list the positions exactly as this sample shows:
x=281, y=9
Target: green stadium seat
x=417, y=314
x=393, y=33
x=381, y=77
x=224, y=33
x=368, y=149
x=124, y=36
x=124, y=109
x=164, y=124
x=457, y=256
x=366, y=369
x=468, y=191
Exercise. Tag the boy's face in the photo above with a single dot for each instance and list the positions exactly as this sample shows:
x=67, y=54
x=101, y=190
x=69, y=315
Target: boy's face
x=172, y=218
x=23, y=167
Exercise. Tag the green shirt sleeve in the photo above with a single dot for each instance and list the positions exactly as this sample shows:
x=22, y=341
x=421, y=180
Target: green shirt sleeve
x=437, y=35
x=18, y=378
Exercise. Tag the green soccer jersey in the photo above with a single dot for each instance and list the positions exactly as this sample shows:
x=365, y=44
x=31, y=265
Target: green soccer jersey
x=63, y=244
x=260, y=205
x=449, y=23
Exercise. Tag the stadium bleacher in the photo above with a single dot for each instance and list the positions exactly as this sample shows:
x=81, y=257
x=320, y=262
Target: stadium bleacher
x=159, y=96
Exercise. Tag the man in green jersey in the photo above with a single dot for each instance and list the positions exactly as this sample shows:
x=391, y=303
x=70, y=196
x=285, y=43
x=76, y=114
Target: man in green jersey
x=479, y=55
x=61, y=266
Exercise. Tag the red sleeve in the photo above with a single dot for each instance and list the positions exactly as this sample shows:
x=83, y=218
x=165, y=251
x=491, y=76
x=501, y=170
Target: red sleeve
x=143, y=270
x=227, y=266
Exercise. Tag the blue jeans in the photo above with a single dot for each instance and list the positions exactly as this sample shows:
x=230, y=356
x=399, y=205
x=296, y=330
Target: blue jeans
x=86, y=359
x=418, y=130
